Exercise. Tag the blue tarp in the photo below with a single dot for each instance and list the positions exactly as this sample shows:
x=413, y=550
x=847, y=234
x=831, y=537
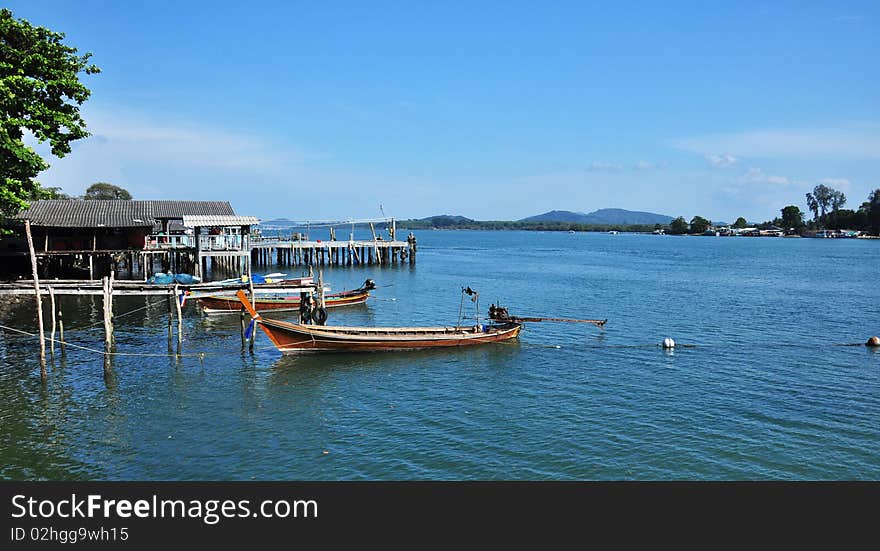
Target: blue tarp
x=168, y=279
x=186, y=279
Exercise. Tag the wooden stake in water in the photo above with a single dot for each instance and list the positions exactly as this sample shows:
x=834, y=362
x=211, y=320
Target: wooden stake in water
x=179, y=316
x=52, y=333
x=110, y=307
x=61, y=332
x=241, y=323
x=171, y=299
x=30, y=240
x=108, y=327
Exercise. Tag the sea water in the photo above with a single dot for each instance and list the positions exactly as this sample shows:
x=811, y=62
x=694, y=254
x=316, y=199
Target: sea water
x=768, y=380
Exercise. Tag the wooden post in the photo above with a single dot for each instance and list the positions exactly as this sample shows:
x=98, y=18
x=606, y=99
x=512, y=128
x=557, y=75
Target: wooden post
x=321, y=303
x=375, y=244
x=171, y=299
x=108, y=328
x=61, y=332
x=254, y=302
x=52, y=332
x=411, y=239
x=198, y=267
x=30, y=240
x=241, y=322
x=91, y=267
x=179, y=316
x=110, y=282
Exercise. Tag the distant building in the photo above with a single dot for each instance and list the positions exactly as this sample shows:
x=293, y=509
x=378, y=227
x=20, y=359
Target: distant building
x=772, y=231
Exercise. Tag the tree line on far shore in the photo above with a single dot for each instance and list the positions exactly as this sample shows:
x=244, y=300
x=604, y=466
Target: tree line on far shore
x=518, y=225
x=826, y=205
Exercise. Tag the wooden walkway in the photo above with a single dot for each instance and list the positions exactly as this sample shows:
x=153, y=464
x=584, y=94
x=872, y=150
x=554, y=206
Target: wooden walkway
x=283, y=252
x=138, y=288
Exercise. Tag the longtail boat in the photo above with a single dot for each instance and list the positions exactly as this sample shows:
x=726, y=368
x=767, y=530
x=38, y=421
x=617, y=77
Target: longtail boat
x=218, y=304
x=291, y=338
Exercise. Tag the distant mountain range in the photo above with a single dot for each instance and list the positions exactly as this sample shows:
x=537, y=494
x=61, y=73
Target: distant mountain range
x=444, y=220
x=602, y=216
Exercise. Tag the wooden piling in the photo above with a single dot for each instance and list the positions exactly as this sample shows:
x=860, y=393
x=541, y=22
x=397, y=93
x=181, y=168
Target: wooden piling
x=376, y=244
x=242, y=324
x=179, y=317
x=254, y=332
x=108, y=328
x=30, y=240
x=61, y=332
x=52, y=332
x=321, y=302
x=171, y=298
x=110, y=282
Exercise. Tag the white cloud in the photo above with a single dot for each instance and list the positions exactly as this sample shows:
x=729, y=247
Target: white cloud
x=756, y=191
x=647, y=165
x=604, y=166
x=841, y=183
x=758, y=176
x=138, y=152
x=721, y=161
x=849, y=141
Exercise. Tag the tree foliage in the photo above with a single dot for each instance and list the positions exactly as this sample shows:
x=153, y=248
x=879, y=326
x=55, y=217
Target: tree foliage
x=792, y=217
x=872, y=210
x=103, y=190
x=824, y=201
x=699, y=224
x=40, y=93
x=740, y=223
x=678, y=226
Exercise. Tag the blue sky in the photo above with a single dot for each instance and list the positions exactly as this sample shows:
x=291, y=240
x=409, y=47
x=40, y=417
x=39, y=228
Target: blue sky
x=493, y=110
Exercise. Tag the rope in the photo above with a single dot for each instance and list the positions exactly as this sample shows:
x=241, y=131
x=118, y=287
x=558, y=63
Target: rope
x=115, y=316
x=203, y=355
x=200, y=355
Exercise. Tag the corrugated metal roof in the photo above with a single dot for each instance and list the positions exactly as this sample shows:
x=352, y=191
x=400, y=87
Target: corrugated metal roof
x=202, y=221
x=65, y=213
x=116, y=213
x=178, y=209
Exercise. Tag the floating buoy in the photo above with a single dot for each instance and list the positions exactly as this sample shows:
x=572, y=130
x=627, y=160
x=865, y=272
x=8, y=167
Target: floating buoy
x=668, y=343
x=873, y=341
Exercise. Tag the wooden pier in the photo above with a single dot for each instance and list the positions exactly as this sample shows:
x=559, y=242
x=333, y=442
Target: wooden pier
x=286, y=252
x=121, y=287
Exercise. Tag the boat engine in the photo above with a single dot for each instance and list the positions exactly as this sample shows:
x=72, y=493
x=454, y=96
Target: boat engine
x=498, y=313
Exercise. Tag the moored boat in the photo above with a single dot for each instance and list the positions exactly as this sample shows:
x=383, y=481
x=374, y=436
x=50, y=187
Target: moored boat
x=292, y=338
x=222, y=304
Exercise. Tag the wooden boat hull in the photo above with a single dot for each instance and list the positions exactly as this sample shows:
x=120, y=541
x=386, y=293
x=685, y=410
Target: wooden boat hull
x=228, y=305
x=293, y=338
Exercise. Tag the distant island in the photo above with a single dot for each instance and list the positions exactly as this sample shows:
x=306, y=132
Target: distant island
x=825, y=203
x=602, y=217
x=555, y=220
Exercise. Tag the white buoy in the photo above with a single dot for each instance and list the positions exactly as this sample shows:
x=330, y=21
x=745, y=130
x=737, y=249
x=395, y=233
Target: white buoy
x=668, y=343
